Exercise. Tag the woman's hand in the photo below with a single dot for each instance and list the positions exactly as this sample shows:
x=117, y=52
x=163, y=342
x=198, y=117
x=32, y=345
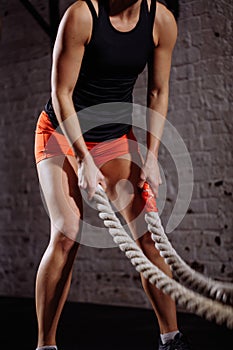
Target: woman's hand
x=89, y=176
x=150, y=173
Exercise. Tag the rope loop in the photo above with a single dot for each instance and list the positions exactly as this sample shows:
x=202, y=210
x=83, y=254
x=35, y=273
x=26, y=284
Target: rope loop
x=210, y=305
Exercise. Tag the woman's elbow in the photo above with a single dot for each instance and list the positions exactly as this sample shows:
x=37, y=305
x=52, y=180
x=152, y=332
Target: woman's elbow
x=61, y=94
x=157, y=93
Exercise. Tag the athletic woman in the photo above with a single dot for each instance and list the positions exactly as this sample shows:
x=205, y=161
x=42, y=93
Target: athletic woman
x=101, y=48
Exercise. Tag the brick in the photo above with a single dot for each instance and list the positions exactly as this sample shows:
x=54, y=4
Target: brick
x=199, y=8
x=200, y=108
x=191, y=25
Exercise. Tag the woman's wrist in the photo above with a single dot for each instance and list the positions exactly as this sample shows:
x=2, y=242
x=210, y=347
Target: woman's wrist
x=151, y=156
x=81, y=153
x=85, y=158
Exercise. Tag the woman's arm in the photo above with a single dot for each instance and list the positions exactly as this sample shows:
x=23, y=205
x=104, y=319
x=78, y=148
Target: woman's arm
x=165, y=35
x=73, y=34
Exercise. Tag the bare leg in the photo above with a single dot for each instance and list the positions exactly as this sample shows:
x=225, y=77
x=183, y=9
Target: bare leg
x=162, y=304
x=58, y=181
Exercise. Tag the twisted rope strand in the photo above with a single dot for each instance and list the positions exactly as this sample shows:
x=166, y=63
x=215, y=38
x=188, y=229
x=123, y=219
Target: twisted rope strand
x=192, y=279
x=193, y=302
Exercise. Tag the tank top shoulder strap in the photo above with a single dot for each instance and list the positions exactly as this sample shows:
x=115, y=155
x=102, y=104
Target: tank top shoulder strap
x=92, y=9
x=152, y=12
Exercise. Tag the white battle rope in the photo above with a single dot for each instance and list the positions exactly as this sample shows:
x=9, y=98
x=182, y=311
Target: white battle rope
x=182, y=272
x=188, y=299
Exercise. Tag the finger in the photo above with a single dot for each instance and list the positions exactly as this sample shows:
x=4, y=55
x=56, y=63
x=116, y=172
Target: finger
x=141, y=184
x=91, y=192
x=103, y=184
x=153, y=186
x=160, y=181
x=102, y=181
x=101, y=177
x=79, y=182
x=82, y=184
x=141, y=180
x=155, y=190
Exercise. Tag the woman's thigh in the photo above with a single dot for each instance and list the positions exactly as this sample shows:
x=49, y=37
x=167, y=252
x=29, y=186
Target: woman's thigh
x=122, y=175
x=60, y=192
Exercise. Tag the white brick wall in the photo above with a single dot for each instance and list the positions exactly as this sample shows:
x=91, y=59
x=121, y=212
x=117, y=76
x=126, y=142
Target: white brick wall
x=200, y=108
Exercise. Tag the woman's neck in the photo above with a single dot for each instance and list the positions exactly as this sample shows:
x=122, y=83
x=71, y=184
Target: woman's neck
x=118, y=6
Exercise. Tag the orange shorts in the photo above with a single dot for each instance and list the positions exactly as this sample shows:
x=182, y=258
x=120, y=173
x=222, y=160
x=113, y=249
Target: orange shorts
x=50, y=143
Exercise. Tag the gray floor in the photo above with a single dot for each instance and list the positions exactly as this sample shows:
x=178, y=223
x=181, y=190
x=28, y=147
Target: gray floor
x=89, y=327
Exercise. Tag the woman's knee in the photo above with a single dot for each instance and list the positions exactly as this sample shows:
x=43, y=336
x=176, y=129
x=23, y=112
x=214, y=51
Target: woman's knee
x=148, y=245
x=65, y=234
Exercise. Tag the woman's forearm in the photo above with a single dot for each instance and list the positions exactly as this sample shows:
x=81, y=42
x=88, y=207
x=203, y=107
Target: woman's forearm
x=69, y=123
x=156, y=116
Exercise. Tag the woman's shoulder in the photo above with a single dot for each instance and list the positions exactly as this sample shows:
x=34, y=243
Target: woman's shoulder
x=80, y=10
x=165, y=24
x=163, y=13
x=165, y=17
x=77, y=20
x=78, y=15
x=81, y=6
x=173, y=6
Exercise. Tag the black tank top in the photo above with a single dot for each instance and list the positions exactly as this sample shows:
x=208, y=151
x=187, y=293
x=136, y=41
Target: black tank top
x=111, y=64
